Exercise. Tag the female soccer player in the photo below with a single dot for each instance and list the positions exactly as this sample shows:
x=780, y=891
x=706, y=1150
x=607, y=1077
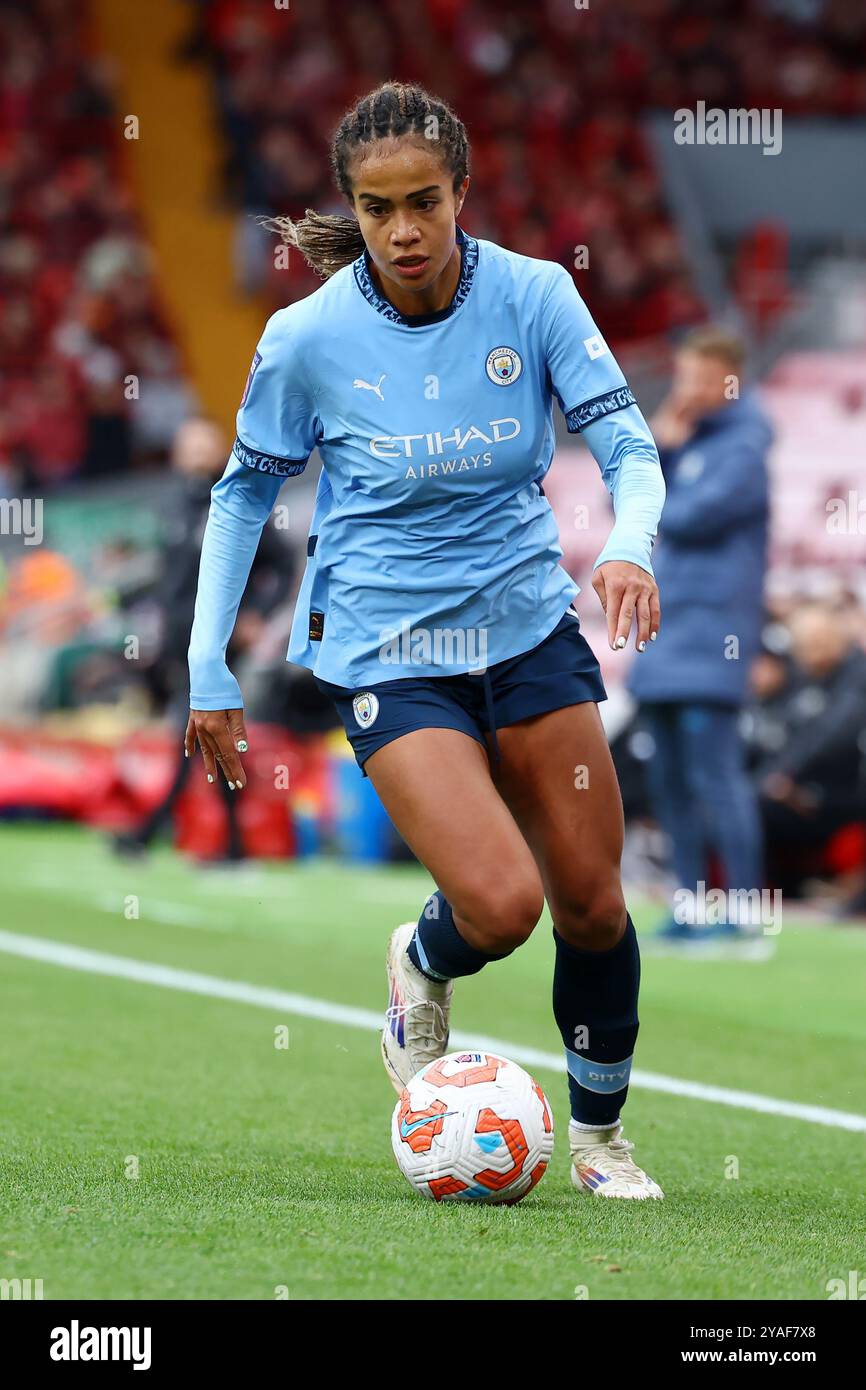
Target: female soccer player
x=433, y=608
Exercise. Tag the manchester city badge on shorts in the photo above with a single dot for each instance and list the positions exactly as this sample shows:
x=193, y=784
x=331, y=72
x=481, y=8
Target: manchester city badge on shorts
x=503, y=366
x=366, y=707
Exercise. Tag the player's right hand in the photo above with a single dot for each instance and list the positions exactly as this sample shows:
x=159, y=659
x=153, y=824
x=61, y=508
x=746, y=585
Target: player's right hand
x=221, y=735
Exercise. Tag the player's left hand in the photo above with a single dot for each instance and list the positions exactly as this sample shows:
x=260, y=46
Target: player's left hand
x=628, y=593
x=221, y=735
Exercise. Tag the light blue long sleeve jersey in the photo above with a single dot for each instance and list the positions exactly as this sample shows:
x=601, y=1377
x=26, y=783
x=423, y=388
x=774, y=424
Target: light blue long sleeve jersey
x=435, y=434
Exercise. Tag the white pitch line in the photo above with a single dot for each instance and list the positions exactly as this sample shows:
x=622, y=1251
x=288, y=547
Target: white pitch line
x=260, y=996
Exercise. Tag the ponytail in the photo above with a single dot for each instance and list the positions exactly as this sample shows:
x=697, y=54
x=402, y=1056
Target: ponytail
x=327, y=243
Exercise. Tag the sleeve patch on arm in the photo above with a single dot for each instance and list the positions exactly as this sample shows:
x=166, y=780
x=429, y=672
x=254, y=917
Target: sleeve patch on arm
x=257, y=357
x=267, y=463
x=583, y=415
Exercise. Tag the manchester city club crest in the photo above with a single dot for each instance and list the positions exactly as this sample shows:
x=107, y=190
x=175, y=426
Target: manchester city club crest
x=504, y=366
x=366, y=707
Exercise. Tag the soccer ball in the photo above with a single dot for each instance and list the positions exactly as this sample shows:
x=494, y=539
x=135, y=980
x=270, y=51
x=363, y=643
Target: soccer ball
x=472, y=1127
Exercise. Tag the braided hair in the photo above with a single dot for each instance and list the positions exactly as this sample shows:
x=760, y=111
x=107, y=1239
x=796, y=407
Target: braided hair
x=328, y=243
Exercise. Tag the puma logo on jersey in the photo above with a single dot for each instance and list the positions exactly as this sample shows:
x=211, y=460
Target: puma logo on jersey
x=366, y=386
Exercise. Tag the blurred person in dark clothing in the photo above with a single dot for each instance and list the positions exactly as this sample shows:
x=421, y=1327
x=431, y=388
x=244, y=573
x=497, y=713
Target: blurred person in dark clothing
x=713, y=440
x=764, y=722
x=815, y=782
x=198, y=457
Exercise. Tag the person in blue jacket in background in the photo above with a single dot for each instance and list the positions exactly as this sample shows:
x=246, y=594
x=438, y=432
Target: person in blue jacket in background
x=710, y=564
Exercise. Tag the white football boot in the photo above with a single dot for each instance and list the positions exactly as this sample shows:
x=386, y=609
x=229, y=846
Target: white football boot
x=602, y=1164
x=416, y=1020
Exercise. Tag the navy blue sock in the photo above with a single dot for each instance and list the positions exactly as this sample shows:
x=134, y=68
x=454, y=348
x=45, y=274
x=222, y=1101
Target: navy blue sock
x=438, y=950
x=595, y=1005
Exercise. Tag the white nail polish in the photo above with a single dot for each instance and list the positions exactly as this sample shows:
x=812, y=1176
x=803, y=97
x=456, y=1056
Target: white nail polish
x=620, y=643
x=231, y=786
x=641, y=646
x=209, y=778
x=242, y=745
x=240, y=786
x=653, y=636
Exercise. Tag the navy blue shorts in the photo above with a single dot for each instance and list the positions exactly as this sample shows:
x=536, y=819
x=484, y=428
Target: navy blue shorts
x=561, y=670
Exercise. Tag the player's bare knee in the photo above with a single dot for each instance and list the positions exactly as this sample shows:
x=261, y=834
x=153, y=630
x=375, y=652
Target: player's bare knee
x=503, y=914
x=594, y=923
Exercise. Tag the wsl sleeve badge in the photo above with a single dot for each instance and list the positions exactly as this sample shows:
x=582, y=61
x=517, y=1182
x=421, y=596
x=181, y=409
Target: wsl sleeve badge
x=257, y=357
x=366, y=708
x=503, y=366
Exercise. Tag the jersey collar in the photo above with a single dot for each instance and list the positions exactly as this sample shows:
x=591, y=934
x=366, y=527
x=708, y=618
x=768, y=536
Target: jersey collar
x=468, y=263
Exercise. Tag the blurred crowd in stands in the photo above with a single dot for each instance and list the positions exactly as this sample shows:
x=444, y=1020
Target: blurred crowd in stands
x=104, y=619
x=805, y=734
x=90, y=377
x=803, y=725
x=552, y=95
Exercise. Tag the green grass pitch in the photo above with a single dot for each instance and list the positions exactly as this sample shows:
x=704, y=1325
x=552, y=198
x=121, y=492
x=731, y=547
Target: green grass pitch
x=156, y=1144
